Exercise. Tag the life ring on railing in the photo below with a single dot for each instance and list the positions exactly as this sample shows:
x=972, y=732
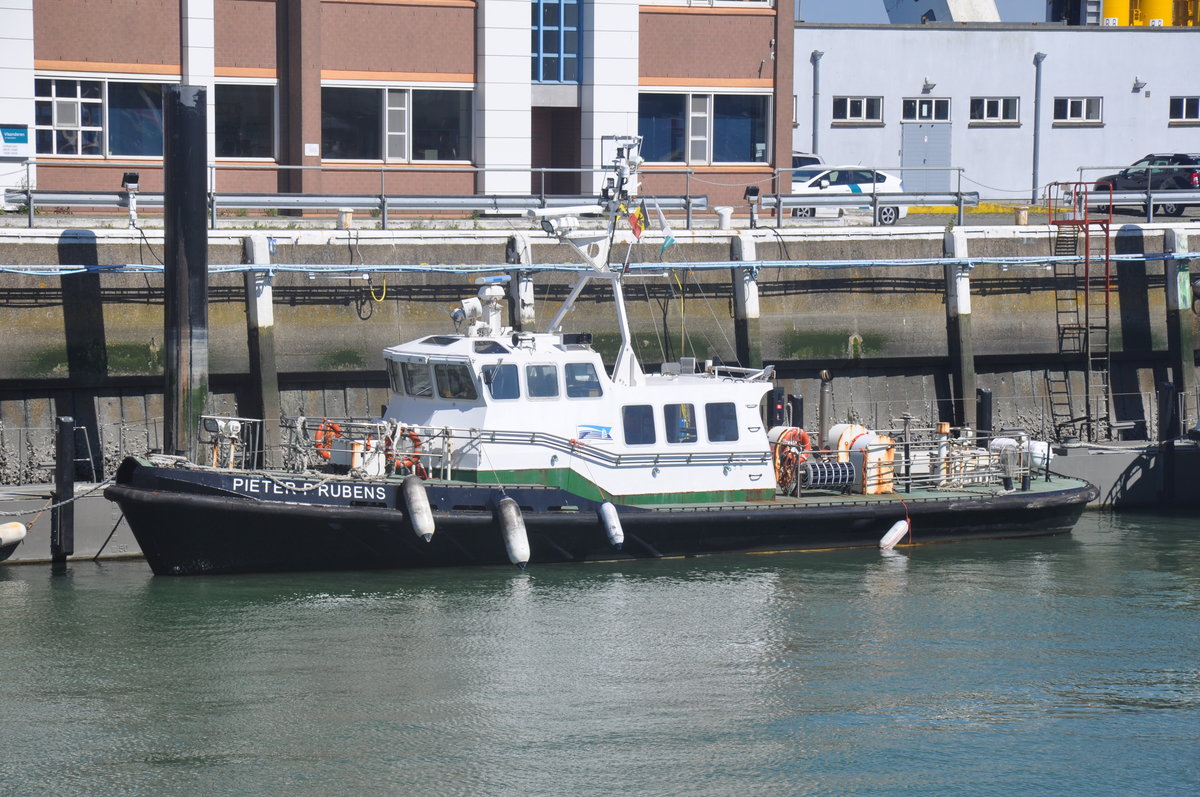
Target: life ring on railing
x=409, y=460
x=791, y=445
x=327, y=432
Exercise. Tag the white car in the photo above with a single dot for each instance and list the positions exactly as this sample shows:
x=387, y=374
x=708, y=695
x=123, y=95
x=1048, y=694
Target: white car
x=824, y=180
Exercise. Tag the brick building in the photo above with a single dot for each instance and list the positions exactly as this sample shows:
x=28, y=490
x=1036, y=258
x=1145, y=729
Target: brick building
x=401, y=96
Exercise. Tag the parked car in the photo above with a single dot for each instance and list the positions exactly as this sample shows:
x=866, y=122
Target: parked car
x=823, y=180
x=1178, y=171
x=802, y=159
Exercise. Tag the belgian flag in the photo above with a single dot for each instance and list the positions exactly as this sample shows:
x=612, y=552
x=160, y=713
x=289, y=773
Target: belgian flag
x=637, y=220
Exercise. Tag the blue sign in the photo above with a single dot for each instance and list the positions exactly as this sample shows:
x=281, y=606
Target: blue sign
x=14, y=141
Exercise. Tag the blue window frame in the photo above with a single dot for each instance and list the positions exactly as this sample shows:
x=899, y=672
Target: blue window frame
x=555, y=41
x=704, y=128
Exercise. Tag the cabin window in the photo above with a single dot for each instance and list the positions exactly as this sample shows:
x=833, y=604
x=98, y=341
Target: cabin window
x=416, y=379
x=542, y=381
x=582, y=381
x=721, y=421
x=680, y=420
x=638, y=422
x=502, y=382
x=394, y=379
x=489, y=347
x=454, y=381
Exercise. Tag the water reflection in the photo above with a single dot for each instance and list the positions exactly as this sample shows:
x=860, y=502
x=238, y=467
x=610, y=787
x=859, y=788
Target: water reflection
x=926, y=669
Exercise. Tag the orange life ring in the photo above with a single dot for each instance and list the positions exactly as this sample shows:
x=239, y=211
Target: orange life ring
x=327, y=432
x=792, y=447
x=412, y=458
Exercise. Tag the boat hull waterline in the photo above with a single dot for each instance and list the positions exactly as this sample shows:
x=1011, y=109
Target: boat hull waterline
x=192, y=528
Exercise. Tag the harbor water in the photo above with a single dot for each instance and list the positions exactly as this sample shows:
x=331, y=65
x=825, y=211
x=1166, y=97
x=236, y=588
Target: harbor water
x=1051, y=665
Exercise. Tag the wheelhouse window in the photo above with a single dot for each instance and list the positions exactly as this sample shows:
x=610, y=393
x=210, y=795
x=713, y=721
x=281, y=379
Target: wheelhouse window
x=555, y=41
x=994, y=110
x=925, y=109
x=454, y=381
x=416, y=379
x=1077, y=110
x=542, y=381
x=395, y=381
x=720, y=419
x=582, y=381
x=638, y=422
x=502, y=381
x=680, y=422
x=1185, y=109
x=245, y=121
x=858, y=109
x=704, y=128
x=396, y=124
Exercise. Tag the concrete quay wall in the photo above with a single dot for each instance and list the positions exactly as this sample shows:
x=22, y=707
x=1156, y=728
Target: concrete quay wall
x=89, y=345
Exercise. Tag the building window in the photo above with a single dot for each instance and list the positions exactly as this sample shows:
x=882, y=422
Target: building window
x=135, y=119
x=1077, y=109
x=419, y=124
x=555, y=41
x=97, y=117
x=994, y=109
x=1185, y=109
x=245, y=121
x=68, y=117
x=925, y=109
x=858, y=109
x=704, y=128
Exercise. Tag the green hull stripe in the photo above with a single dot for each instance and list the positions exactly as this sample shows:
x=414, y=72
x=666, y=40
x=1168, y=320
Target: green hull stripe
x=572, y=482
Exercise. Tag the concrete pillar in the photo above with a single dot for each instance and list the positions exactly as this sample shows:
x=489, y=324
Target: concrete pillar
x=1181, y=322
x=298, y=48
x=503, y=97
x=958, y=329
x=608, y=97
x=260, y=340
x=16, y=95
x=197, y=45
x=745, y=303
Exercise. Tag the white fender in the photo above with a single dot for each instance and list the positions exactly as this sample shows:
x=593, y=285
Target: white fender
x=894, y=535
x=612, y=524
x=416, y=501
x=11, y=533
x=512, y=525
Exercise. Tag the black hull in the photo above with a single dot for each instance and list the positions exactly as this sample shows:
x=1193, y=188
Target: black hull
x=8, y=550
x=190, y=529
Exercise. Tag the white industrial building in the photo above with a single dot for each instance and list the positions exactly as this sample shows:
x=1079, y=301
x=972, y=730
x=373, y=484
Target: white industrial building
x=1013, y=106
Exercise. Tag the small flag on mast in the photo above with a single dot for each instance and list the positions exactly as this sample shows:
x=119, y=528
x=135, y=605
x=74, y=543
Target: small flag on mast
x=637, y=220
x=668, y=239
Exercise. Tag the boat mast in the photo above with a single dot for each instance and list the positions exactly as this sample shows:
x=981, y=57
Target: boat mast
x=595, y=249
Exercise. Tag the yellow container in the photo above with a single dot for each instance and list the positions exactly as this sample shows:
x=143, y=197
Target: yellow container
x=1158, y=12
x=1118, y=10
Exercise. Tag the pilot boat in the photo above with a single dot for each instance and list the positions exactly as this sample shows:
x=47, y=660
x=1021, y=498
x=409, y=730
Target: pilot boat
x=501, y=446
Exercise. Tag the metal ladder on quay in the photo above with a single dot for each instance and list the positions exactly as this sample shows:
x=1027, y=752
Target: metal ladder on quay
x=1083, y=313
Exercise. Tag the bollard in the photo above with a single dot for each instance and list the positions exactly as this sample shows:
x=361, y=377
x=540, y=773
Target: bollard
x=1021, y=215
x=62, y=518
x=724, y=217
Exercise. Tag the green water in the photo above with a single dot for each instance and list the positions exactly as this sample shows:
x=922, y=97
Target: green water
x=1057, y=665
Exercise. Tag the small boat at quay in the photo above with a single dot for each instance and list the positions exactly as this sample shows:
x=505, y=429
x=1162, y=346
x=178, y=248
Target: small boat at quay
x=504, y=446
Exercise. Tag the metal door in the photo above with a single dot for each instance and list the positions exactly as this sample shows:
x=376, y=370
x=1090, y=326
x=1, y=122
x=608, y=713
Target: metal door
x=925, y=144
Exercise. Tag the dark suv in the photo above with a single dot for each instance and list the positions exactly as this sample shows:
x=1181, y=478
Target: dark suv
x=1177, y=171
